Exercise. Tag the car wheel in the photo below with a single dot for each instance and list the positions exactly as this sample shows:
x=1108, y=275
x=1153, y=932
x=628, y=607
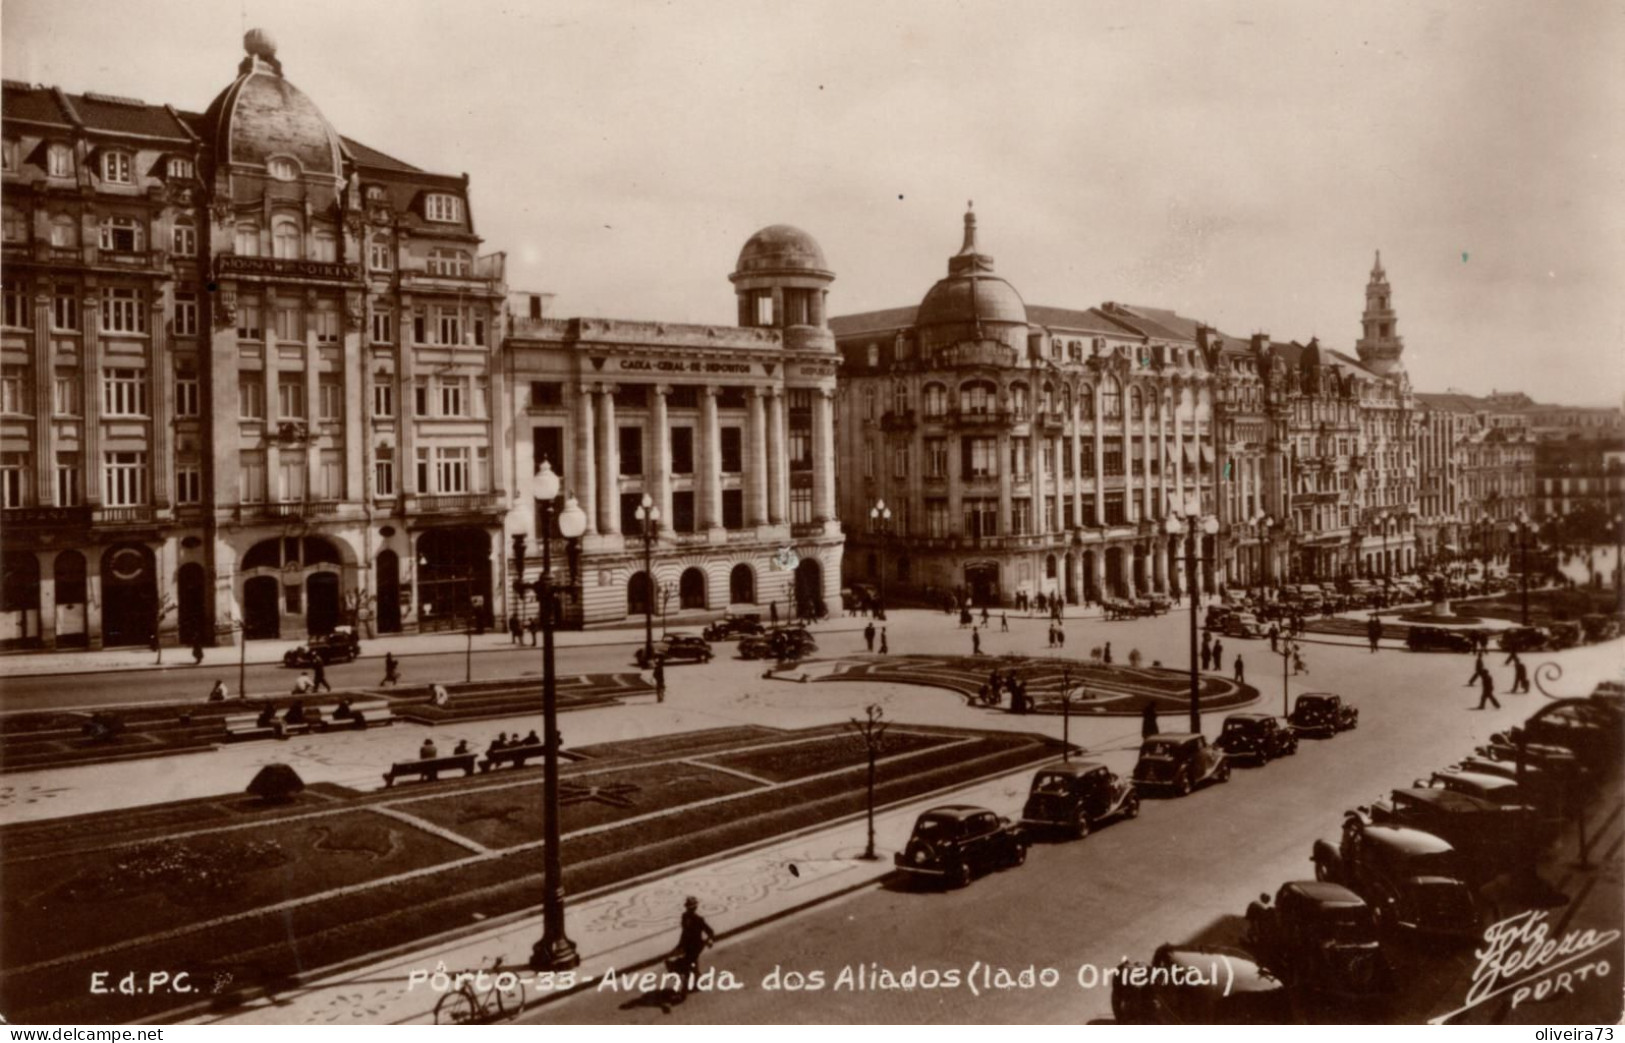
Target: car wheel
x=1019, y=855
x=1182, y=783
x=1131, y=808
x=959, y=876
x=1080, y=826
x=1223, y=774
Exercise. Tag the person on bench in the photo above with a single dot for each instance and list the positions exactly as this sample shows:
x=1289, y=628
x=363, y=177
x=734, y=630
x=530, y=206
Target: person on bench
x=296, y=712
x=427, y=751
x=462, y=747
x=267, y=717
x=343, y=713
x=499, y=743
x=531, y=739
x=217, y=694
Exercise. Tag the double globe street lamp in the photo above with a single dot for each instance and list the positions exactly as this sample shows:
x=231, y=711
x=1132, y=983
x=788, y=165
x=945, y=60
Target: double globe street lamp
x=649, y=514
x=1193, y=526
x=555, y=951
x=880, y=524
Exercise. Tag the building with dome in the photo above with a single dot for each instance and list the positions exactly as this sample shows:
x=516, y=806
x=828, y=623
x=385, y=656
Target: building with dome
x=252, y=375
x=728, y=431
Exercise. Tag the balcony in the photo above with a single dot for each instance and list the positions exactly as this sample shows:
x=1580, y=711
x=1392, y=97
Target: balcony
x=898, y=421
x=1051, y=420
x=132, y=258
x=981, y=418
x=486, y=273
x=123, y=516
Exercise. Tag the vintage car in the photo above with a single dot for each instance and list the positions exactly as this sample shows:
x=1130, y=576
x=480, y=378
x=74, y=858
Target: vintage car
x=1590, y=729
x=1217, y=616
x=1411, y=879
x=1180, y=762
x=729, y=627
x=1488, y=835
x=1565, y=635
x=1198, y=985
x=1243, y=624
x=1257, y=737
x=1077, y=797
x=791, y=642
x=341, y=646
x=1322, y=937
x=955, y=842
x=1523, y=639
x=676, y=648
x=1322, y=713
x=1599, y=627
x=1503, y=748
x=1437, y=639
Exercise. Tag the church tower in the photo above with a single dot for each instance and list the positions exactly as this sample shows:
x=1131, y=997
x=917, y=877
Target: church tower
x=1380, y=345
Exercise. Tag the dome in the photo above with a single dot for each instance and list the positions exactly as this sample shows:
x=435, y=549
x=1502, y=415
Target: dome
x=780, y=248
x=262, y=115
x=971, y=298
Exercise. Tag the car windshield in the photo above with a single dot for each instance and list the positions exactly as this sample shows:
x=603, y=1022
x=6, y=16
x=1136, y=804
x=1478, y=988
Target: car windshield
x=1307, y=703
x=1349, y=925
x=1236, y=727
x=1051, y=783
x=936, y=827
x=1159, y=750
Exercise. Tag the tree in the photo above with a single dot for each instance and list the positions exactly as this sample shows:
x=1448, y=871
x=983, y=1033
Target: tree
x=358, y=608
x=871, y=732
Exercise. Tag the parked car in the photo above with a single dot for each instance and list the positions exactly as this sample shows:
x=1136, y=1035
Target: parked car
x=1322, y=937
x=955, y=842
x=341, y=646
x=1590, y=729
x=1199, y=985
x=790, y=642
x=1564, y=635
x=1599, y=628
x=1437, y=639
x=1257, y=737
x=1322, y=713
x=1180, y=762
x=1217, y=616
x=1411, y=879
x=1503, y=748
x=1488, y=835
x=1544, y=787
x=1243, y=624
x=676, y=648
x=1497, y=790
x=1523, y=639
x=1077, y=797
x=730, y=627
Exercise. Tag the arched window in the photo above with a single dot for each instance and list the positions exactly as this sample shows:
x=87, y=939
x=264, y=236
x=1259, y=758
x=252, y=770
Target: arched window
x=1111, y=399
x=247, y=240
x=899, y=398
x=936, y=400
x=976, y=396
x=1018, y=400
x=64, y=231
x=282, y=168
x=1135, y=403
x=285, y=239
x=324, y=246
x=447, y=262
x=1066, y=400
x=1086, y=401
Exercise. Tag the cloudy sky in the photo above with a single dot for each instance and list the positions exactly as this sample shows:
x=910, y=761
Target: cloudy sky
x=1236, y=161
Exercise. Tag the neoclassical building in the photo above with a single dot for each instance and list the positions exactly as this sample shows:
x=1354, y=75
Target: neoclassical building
x=728, y=430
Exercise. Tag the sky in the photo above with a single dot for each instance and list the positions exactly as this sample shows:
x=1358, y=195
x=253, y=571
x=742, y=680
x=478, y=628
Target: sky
x=1239, y=162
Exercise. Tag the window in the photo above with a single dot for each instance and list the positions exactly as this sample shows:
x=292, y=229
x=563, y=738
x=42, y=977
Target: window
x=936, y=458
x=327, y=324
x=448, y=326
x=420, y=397
x=330, y=475
x=936, y=400
x=186, y=395
x=383, y=396
x=453, y=392
x=868, y=460
x=869, y=407
x=979, y=457
x=546, y=394
x=179, y=168
x=380, y=255
x=801, y=504
x=247, y=240
x=330, y=398
x=1018, y=401
x=16, y=305
x=451, y=469
x=116, y=168
x=291, y=477
x=936, y=518
x=1111, y=399
x=251, y=397
x=383, y=472
x=323, y=246
x=64, y=231
x=447, y=262
x=287, y=316
x=682, y=450
x=124, y=479
x=251, y=477
x=1113, y=459
x=121, y=234
x=1021, y=517
x=1020, y=458
x=438, y=206
x=899, y=463
x=981, y=518
x=899, y=398
x=65, y=398
x=733, y=508
x=188, y=483
x=733, y=456
x=282, y=168
x=124, y=392
x=16, y=225
x=631, y=445
x=248, y=321
x=13, y=479
x=185, y=314
x=184, y=240
x=1115, y=510
x=64, y=309
x=976, y=398
x=1086, y=402
x=13, y=390
x=290, y=396
x=383, y=327
x=67, y=480
x=123, y=311
x=285, y=239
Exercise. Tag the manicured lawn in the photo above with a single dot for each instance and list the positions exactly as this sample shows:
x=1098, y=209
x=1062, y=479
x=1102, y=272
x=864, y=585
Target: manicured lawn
x=784, y=763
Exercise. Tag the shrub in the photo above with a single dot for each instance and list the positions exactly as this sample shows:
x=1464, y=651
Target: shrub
x=276, y=784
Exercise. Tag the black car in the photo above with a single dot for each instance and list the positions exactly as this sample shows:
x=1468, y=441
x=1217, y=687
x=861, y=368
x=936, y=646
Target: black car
x=341, y=646
x=730, y=627
x=676, y=648
x=1411, y=879
x=1437, y=639
x=790, y=642
x=1257, y=737
x=1180, y=762
x=1322, y=937
x=956, y=842
x=1198, y=985
x=1523, y=639
x=1077, y=797
x=1323, y=714
x=1489, y=836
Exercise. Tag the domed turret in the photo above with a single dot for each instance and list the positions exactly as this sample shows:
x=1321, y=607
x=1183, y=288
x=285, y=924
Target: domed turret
x=261, y=117
x=972, y=303
x=782, y=281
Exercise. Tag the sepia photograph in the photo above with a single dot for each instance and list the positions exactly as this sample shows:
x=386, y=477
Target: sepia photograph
x=462, y=464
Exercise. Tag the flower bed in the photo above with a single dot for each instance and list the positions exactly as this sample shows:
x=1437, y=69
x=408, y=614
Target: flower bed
x=785, y=763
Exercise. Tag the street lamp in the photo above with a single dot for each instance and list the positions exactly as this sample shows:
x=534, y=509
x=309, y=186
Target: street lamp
x=554, y=951
x=1174, y=527
x=1521, y=530
x=879, y=522
x=649, y=515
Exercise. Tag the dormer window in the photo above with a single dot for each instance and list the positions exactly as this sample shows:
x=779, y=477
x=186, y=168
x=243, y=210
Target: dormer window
x=375, y=193
x=448, y=262
x=180, y=168
x=439, y=206
x=282, y=168
x=116, y=168
x=58, y=160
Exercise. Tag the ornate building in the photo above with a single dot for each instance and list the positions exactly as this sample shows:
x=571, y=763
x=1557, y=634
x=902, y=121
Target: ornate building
x=1479, y=465
x=249, y=370
x=727, y=430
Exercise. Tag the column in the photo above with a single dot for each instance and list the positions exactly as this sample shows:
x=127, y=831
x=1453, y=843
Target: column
x=757, y=479
x=44, y=430
x=659, y=482
x=956, y=488
x=1162, y=453
x=1179, y=450
x=609, y=464
x=1074, y=446
x=1037, y=442
x=824, y=455
x=90, y=402
x=586, y=465
x=777, y=460
x=1145, y=448
x=1099, y=448
x=161, y=396
x=1159, y=564
x=1127, y=558
x=1100, y=573
x=270, y=361
x=1002, y=455
x=710, y=507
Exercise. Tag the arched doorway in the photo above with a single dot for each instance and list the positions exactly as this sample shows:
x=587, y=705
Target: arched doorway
x=982, y=579
x=19, y=597
x=129, y=595
x=1114, y=572
x=742, y=585
x=809, y=588
x=262, y=607
x=454, y=578
x=191, y=599
x=322, y=606
x=389, y=592
x=691, y=589
x=1090, y=586
x=638, y=600
x=1071, y=566
x=72, y=624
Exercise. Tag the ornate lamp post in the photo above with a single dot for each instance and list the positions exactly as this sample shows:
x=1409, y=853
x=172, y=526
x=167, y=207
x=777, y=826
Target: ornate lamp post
x=880, y=522
x=649, y=515
x=1520, y=530
x=555, y=951
x=1193, y=525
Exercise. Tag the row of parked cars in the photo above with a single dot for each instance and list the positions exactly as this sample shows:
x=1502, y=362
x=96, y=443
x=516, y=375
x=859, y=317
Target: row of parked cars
x=792, y=641
x=1416, y=861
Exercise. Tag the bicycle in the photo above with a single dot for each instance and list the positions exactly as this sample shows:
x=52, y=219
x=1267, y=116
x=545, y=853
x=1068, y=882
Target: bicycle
x=463, y=1006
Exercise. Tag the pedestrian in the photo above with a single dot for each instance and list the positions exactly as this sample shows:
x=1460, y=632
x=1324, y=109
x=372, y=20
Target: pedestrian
x=693, y=937
x=1060, y=636
x=1106, y=656
x=773, y=613
x=1218, y=655
x=1207, y=657
x=1297, y=661
x=217, y=694
x=535, y=625
x=1241, y=671
x=1052, y=635
x=427, y=751
x=975, y=641
x=885, y=649
x=1275, y=637
x=197, y=653
x=984, y=615
x=1487, y=692
x=1373, y=631
x=516, y=630
x=1478, y=669
x=869, y=636
x=1148, y=719
x=320, y=680
x=1004, y=622
x=660, y=678
x=303, y=685
x=1520, y=675
x=1207, y=646
x=392, y=670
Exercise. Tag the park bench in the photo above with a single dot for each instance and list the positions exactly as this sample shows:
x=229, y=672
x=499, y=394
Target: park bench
x=242, y=726
x=515, y=755
x=430, y=768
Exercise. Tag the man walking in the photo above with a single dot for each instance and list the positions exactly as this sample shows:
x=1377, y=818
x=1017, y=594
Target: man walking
x=1275, y=636
x=660, y=678
x=1241, y=672
x=1207, y=648
x=1478, y=669
x=1520, y=675
x=1373, y=632
x=693, y=937
x=1107, y=657
x=515, y=631
x=319, y=669
x=885, y=649
x=869, y=636
x=1218, y=655
x=1004, y=622
x=1487, y=691
x=975, y=641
